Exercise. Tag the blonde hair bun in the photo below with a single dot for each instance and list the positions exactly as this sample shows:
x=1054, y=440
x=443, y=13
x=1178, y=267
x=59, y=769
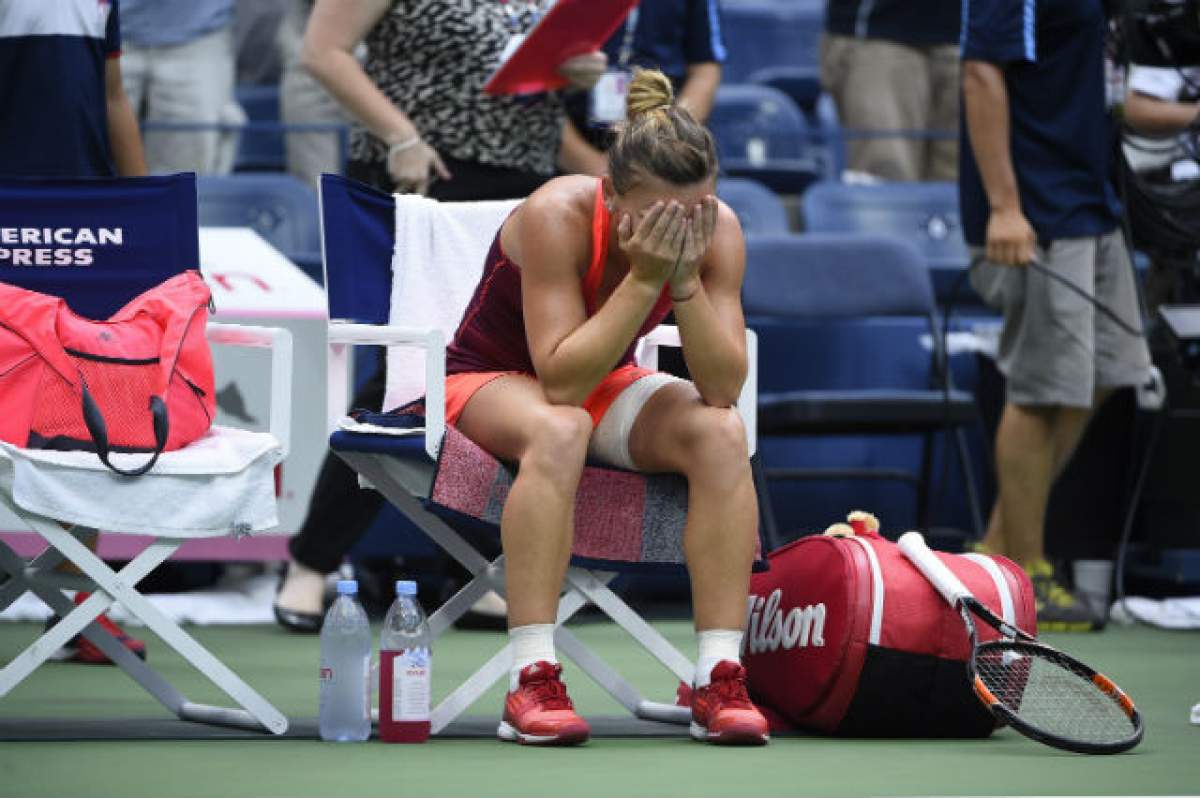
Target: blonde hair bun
x=649, y=91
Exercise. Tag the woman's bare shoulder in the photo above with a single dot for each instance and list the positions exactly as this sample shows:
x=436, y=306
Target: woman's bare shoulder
x=558, y=215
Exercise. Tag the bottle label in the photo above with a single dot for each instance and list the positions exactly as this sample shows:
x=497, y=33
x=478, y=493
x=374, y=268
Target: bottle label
x=411, y=677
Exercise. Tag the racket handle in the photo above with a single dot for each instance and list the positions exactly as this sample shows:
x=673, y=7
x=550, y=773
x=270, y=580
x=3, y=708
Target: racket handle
x=913, y=546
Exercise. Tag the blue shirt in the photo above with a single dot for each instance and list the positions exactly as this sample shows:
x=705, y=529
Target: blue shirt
x=52, y=89
x=920, y=23
x=668, y=35
x=158, y=23
x=1052, y=54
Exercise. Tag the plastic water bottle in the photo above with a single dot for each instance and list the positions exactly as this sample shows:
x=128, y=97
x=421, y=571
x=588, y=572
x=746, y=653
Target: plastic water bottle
x=345, y=713
x=404, y=670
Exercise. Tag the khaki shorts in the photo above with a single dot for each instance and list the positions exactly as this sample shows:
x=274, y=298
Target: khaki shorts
x=1056, y=348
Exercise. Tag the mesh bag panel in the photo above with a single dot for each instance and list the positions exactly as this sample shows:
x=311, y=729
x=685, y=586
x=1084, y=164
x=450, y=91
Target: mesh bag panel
x=122, y=392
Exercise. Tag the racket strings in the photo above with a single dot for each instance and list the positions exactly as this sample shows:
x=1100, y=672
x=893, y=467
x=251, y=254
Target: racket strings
x=1052, y=694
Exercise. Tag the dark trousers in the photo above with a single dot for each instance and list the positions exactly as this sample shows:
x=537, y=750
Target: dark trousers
x=339, y=512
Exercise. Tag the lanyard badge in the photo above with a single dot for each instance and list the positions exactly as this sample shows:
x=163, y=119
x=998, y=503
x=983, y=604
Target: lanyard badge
x=606, y=104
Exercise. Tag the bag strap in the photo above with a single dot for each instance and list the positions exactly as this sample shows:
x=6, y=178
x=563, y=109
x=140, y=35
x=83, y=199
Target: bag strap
x=98, y=429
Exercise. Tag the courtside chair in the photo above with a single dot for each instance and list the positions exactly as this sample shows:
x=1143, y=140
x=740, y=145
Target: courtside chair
x=826, y=309
x=280, y=208
x=762, y=135
x=222, y=485
x=769, y=33
x=924, y=214
x=615, y=531
x=759, y=210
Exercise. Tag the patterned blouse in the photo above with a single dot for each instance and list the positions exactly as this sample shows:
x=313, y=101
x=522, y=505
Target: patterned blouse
x=432, y=57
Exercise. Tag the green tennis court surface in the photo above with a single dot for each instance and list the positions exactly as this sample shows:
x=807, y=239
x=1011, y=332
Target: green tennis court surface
x=1161, y=670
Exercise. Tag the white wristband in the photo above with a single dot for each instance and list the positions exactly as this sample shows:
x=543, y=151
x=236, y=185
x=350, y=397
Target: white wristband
x=401, y=146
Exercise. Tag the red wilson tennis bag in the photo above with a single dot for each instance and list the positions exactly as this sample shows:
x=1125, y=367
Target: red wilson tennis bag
x=142, y=381
x=845, y=636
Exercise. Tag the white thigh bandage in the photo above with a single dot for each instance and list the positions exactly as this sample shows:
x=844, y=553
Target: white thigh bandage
x=610, y=440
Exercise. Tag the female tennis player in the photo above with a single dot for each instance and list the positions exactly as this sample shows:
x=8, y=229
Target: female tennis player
x=541, y=372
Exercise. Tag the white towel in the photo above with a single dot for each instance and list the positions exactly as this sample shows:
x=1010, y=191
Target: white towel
x=221, y=484
x=1172, y=613
x=437, y=260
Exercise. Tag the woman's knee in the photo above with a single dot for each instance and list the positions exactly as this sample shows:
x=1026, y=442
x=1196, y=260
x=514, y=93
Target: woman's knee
x=715, y=438
x=560, y=439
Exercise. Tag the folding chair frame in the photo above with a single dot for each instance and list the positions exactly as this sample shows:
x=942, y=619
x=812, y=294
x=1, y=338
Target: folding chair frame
x=400, y=484
x=39, y=577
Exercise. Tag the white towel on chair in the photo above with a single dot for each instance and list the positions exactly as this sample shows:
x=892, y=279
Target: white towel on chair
x=437, y=260
x=221, y=484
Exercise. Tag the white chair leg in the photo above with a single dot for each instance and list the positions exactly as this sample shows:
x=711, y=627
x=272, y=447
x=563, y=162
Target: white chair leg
x=622, y=614
x=79, y=620
x=615, y=685
x=258, y=713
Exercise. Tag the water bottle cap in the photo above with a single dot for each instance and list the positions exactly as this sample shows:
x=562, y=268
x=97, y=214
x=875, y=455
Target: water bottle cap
x=406, y=587
x=347, y=587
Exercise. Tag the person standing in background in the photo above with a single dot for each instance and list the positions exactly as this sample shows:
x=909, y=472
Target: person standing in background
x=66, y=115
x=1162, y=110
x=303, y=100
x=892, y=65
x=179, y=68
x=423, y=125
x=1035, y=187
x=680, y=38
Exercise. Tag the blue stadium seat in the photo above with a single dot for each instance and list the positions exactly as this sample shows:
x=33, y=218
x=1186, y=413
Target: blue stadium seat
x=768, y=34
x=757, y=207
x=280, y=208
x=261, y=146
x=924, y=214
x=848, y=388
x=761, y=134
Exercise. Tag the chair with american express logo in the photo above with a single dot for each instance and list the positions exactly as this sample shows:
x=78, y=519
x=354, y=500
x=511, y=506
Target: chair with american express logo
x=98, y=244
x=440, y=480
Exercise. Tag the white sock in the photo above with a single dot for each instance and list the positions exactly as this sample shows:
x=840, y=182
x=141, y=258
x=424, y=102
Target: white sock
x=530, y=644
x=714, y=646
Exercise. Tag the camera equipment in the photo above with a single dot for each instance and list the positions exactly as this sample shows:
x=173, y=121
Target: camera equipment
x=1164, y=33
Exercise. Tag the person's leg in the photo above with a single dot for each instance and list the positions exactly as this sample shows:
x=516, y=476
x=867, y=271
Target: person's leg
x=1025, y=455
x=1048, y=355
x=339, y=512
x=190, y=82
x=676, y=432
x=879, y=86
x=941, y=154
x=511, y=419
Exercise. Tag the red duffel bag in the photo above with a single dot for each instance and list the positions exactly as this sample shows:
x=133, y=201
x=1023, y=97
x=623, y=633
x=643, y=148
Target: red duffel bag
x=844, y=636
x=142, y=381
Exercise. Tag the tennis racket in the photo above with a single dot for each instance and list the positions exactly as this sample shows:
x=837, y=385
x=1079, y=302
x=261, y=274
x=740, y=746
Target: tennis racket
x=1041, y=692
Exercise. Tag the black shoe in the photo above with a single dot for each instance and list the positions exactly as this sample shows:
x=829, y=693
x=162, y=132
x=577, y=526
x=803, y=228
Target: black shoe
x=305, y=623
x=301, y=622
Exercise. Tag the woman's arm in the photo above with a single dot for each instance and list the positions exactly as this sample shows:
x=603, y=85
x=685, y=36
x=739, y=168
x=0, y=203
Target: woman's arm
x=1156, y=117
x=576, y=155
x=571, y=352
x=708, y=310
x=700, y=89
x=334, y=29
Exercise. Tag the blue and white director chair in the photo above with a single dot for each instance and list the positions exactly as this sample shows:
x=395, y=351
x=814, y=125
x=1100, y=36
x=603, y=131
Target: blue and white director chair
x=358, y=234
x=122, y=238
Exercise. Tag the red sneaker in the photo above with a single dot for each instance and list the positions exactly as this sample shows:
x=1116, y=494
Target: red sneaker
x=722, y=712
x=81, y=649
x=539, y=711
